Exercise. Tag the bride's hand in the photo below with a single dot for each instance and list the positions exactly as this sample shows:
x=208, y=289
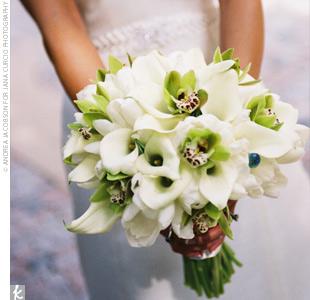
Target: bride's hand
x=195, y=247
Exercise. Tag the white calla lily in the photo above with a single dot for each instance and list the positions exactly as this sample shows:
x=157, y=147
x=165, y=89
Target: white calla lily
x=148, y=122
x=99, y=218
x=159, y=158
x=89, y=185
x=224, y=103
x=115, y=153
x=285, y=112
x=85, y=170
x=247, y=92
x=182, y=231
x=104, y=126
x=183, y=61
x=124, y=112
x=74, y=145
x=150, y=97
x=93, y=148
x=264, y=141
x=205, y=73
x=218, y=186
x=158, y=192
x=125, y=79
x=149, y=68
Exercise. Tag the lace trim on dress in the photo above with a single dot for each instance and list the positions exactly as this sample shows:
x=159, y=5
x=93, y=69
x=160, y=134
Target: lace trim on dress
x=157, y=33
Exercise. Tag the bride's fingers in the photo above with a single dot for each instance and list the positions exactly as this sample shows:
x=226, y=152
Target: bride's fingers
x=212, y=246
x=213, y=233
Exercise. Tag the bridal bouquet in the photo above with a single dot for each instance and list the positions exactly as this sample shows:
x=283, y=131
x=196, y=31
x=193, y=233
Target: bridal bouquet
x=166, y=141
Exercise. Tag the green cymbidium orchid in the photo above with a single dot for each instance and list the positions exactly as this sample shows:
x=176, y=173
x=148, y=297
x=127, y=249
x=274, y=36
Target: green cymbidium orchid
x=202, y=147
x=261, y=112
x=180, y=93
x=271, y=129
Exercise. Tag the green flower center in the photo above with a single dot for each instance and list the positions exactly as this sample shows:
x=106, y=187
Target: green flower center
x=261, y=112
x=156, y=160
x=181, y=94
x=165, y=182
x=202, y=147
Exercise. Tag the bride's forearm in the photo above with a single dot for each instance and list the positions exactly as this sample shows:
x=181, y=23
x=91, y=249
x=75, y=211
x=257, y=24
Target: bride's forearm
x=66, y=41
x=242, y=28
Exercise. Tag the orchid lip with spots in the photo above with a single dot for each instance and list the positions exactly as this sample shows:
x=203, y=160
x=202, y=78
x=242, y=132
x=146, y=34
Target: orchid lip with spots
x=166, y=140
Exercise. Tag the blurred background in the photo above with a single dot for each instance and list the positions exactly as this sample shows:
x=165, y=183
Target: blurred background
x=43, y=254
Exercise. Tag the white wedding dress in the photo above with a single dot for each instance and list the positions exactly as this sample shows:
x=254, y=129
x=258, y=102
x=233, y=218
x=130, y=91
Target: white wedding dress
x=273, y=254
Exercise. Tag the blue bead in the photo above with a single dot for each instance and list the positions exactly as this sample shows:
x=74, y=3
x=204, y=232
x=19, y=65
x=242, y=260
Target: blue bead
x=254, y=160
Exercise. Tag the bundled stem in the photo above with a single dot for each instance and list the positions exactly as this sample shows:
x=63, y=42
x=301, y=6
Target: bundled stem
x=209, y=276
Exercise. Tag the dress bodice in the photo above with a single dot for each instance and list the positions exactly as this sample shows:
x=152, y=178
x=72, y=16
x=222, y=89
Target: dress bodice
x=139, y=26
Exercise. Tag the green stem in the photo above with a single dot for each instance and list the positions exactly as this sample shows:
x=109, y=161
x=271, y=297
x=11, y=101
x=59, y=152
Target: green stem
x=209, y=276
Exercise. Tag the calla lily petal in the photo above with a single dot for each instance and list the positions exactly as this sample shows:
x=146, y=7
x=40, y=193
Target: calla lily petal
x=89, y=185
x=285, y=112
x=98, y=218
x=182, y=231
x=218, y=186
x=166, y=215
x=224, y=103
x=159, y=146
x=205, y=73
x=115, y=154
x=130, y=212
x=158, y=125
x=262, y=140
x=93, y=148
x=148, y=68
x=74, y=145
x=123, y=112
x=192, y=59
x=104, y=126
x=247, y=92
x=156, y=195
x=150, y=98
x=85, y=169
